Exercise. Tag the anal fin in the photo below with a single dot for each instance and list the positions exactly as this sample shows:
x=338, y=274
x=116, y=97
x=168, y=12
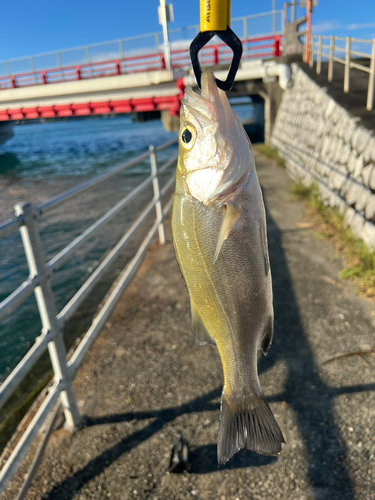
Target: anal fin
x=231, y=214
x=267, y=336
x=199, y=330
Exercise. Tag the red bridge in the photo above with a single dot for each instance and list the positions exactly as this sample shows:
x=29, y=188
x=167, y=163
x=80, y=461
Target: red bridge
x=125, y=84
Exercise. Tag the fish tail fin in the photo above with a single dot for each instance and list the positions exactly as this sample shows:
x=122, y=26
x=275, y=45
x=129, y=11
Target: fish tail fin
x=247, y=423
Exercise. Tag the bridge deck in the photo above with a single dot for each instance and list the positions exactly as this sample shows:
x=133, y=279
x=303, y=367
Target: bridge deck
x=145, y=379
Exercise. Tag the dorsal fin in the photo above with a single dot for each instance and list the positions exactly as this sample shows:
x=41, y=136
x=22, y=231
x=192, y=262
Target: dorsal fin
x=199, y=330
x=231, y=214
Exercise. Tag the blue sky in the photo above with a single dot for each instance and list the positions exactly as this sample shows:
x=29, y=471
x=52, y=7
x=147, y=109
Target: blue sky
x=30, y=27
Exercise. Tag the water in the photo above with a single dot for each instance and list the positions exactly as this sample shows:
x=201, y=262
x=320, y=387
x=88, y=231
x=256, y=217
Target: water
x=43, y=160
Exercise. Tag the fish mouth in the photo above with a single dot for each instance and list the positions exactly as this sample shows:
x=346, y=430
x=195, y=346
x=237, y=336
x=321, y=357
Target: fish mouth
x=212, y=103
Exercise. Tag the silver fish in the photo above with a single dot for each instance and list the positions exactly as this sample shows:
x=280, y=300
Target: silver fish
x=220, y=241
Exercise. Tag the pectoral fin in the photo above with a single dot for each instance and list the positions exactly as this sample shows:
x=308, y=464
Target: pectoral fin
x=199, y=330
x=231, y=214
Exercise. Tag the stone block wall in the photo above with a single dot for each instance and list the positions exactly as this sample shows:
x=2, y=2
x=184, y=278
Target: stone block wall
x=322, y=143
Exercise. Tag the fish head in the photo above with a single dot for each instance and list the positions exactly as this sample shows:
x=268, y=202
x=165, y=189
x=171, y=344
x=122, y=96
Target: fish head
x=214, y=150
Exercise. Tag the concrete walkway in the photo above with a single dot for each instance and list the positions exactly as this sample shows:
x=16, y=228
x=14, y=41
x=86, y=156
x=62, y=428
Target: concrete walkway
x=145, y=379
x=355, y=100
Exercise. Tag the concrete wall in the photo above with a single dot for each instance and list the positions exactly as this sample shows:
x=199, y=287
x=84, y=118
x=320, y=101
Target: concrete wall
x=322, y=143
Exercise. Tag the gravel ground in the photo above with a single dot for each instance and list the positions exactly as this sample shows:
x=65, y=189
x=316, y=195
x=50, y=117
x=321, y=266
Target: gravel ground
x=145, y=380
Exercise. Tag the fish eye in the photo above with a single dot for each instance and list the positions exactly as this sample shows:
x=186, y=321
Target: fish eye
x=187, y=136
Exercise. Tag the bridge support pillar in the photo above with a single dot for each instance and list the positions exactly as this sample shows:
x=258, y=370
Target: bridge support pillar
x=170, y=123
x=6, y=131
x=267, y=116
x=271, y=94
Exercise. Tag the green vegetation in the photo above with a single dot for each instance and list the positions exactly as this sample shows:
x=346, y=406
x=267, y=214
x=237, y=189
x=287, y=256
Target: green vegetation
x=360, y=261
x=9, y=422
x=269, y=152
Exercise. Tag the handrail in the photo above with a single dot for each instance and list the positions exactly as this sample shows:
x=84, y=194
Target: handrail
x=51, y=336
x=347, y=61
x=58, y=200
x=127, y=65
x=9, y=226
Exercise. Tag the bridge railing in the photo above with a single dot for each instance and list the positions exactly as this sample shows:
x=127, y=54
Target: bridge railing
x=211, y=54
x=341, y=50
x=136, y=54
x=39, y=281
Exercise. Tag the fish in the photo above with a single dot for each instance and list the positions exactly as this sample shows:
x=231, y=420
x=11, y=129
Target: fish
x=220, y=241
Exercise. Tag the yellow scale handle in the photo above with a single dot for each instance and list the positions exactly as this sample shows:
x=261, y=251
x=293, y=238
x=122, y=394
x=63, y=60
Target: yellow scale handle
x=215, y=15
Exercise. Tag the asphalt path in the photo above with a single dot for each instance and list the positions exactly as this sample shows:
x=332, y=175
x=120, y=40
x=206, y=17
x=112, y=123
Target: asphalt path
x=145, y=380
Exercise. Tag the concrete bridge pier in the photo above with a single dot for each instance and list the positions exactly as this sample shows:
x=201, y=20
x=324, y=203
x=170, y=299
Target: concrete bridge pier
x=266, y=97
x=6, y=131
x=271, y=94
x=171, y=123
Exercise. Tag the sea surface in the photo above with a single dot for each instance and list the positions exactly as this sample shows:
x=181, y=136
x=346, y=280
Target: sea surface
x=44, y=159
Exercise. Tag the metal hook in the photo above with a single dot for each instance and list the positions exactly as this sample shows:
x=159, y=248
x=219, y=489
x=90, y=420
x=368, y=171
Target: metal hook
x=230, y=39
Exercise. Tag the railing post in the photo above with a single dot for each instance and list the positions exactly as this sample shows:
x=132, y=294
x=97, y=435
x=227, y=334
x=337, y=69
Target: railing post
x=273, y=16
x=331, y=56
x=79, y=74
x=8, y=68
x=276, y=47
x=58, y=58
x=44, y=78
x=121, y=47
x=47, y=310
x=347, y=64
x=88, y=57
x=33, y=68
x=371, y=79
x=166, y=44
x=285, y=14
x=162, y=58
x=216, y=55
x=157, y=42
x=155, y=185
x=14, y=82
x=319, y=57
x=245, y=37
x=122, y=54
x=311, y=59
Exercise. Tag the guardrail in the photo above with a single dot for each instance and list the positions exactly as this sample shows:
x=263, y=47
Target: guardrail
x=211, y=54
x=317, y=47
x=39, y=281
x=126, y=55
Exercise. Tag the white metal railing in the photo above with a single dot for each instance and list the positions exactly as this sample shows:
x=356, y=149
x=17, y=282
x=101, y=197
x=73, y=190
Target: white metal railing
x=39, y=281
x=344, y=46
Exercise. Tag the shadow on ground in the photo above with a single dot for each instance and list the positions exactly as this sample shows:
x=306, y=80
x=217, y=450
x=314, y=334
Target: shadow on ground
x=307, y=395
x=204, y=460
x=304, y=390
